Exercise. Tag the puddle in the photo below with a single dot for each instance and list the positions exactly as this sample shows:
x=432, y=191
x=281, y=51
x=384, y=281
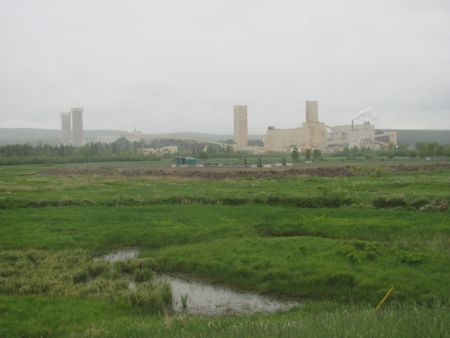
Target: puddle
x=208, y=299
x=121, y=255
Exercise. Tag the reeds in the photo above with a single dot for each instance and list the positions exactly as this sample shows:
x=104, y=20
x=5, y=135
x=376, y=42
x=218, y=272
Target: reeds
x=74, y=273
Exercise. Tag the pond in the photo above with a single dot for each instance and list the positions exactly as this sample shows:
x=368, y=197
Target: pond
x=208, y=299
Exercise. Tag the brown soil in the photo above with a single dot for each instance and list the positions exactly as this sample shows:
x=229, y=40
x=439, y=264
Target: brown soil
x=218, y=173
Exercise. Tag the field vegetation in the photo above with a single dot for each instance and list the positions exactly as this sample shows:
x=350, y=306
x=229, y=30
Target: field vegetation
x=335, y=238
x=123, y=150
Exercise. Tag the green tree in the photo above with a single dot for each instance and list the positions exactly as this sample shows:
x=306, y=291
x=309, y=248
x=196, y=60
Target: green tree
x=421, y=147
x=317, y=155
x=431, y=149
x=295, y=154
x=308, y=154
x=84, y=150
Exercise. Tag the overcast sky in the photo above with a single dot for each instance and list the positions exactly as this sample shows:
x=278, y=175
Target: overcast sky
x=181, y=65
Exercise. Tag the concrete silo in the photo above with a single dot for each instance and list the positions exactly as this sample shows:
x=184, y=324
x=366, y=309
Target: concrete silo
x=240, y=127
x=66, y=129
x=77, y=126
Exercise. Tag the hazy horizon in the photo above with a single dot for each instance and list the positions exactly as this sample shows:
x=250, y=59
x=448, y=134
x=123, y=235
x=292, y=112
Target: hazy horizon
x=180, y=66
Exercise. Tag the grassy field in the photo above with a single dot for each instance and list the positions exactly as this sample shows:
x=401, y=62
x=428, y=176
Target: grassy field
x=336, y=243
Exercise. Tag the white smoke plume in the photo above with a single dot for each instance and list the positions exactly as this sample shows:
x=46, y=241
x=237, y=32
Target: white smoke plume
x=369, y=114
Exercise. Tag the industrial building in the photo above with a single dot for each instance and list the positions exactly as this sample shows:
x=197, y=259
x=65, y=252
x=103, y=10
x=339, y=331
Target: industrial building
x=66, y=129
x=240, y=127
x=72, y=127
x=77, y=126
x=360, y=136
x=312, y=134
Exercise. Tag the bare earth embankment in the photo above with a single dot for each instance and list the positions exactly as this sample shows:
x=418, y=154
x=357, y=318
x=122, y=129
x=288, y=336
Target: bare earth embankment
x=214, y=173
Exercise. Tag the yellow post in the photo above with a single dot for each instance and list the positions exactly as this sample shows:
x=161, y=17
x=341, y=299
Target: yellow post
x=386, y=296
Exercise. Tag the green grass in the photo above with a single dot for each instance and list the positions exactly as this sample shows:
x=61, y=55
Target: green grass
x=373, y=249
x=315, y=268
x=269, y=235
x=34, y=316
x=22, y=186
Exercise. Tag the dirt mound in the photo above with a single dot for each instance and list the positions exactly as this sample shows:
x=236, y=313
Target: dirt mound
x=234, y=173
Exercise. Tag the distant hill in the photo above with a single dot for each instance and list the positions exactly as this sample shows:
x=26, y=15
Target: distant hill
x=410, y=137
x=49, y=136
x=199, y=136
x=53, y=136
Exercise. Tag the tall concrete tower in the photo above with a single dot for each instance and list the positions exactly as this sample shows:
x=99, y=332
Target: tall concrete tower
x=312, y=111
x=240, y=126
x=315, y=132
x=66, y=132
x=77, y=125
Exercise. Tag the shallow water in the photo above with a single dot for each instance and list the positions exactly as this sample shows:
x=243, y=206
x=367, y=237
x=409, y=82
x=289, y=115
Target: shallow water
x=121, y=255
x=207, y=299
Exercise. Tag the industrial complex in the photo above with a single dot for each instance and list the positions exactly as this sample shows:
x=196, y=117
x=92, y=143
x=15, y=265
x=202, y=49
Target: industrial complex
x=312, y=134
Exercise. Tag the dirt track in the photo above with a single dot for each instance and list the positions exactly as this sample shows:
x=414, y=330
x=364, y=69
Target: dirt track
x=218, y=173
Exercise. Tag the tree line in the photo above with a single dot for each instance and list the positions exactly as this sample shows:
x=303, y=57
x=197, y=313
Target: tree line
x=123, y=149
x=422, y=150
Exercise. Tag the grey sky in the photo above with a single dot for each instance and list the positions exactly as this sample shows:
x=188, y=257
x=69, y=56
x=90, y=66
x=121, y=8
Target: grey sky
x=180, y=65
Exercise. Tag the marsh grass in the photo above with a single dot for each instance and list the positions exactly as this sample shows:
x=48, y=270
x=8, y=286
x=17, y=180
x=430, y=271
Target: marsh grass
x=74, y=273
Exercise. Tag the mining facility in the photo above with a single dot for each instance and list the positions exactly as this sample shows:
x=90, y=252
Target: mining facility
x=313, y=134
x=72, y=127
